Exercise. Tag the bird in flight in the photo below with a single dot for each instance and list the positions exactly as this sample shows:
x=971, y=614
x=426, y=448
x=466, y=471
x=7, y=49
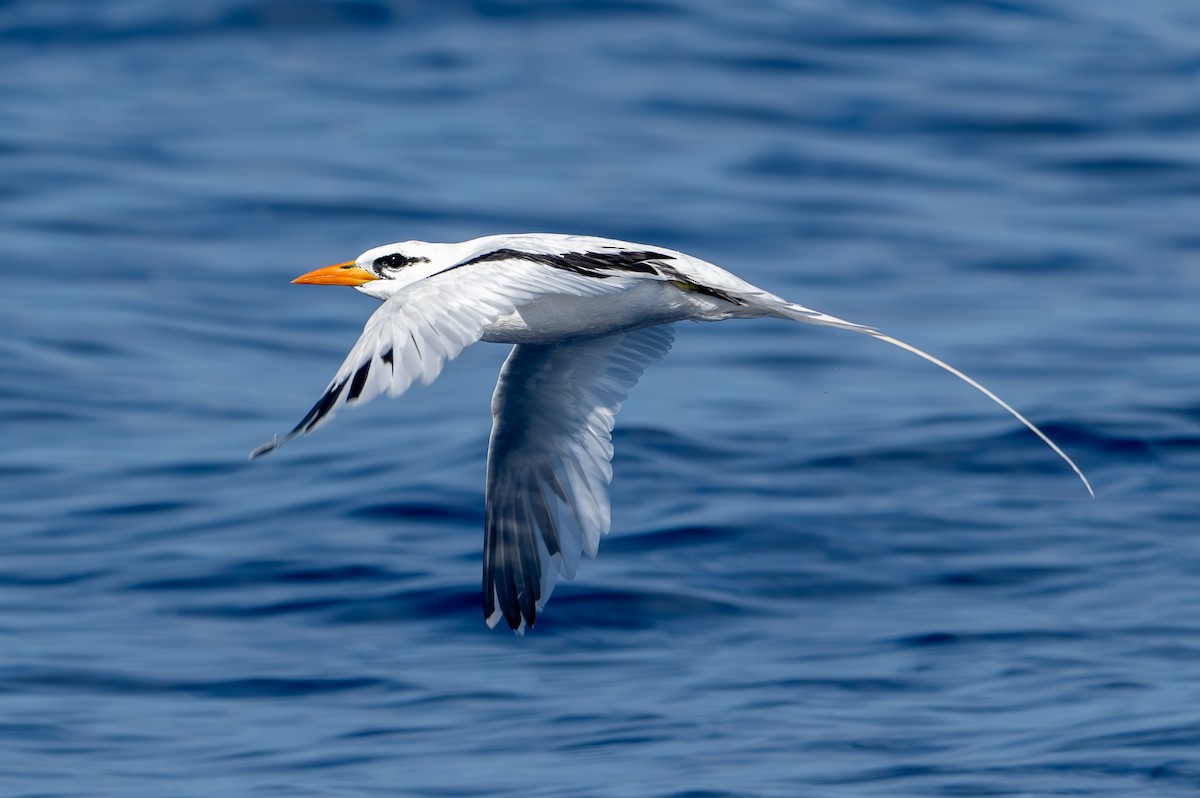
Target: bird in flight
x=587, y=315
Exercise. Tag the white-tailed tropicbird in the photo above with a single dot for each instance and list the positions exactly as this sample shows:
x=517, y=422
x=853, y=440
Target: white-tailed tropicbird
x=587, y=316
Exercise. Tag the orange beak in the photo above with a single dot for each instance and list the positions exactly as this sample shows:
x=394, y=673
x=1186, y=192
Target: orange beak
x=337, y=274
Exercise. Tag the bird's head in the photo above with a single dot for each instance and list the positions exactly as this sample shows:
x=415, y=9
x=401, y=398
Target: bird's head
x=382, y=271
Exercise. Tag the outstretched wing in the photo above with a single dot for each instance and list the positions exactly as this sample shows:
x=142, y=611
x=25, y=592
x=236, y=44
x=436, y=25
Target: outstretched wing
x=413, y=333
x=549, y=462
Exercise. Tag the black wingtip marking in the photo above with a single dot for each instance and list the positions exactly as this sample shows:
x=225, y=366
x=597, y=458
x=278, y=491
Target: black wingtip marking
x=489, y=597
x=359, y=381
x=543, y=518
x=320, y=409
x=512, y=569
x=311, y=418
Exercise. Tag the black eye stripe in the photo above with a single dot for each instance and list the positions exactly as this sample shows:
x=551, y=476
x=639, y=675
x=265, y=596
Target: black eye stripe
x=397, y=261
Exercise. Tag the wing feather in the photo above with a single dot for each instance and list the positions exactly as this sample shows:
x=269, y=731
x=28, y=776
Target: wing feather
x=412, y=335
x=549, y=463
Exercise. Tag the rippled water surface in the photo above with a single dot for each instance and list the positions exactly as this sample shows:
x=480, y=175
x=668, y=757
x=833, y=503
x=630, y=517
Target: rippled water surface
x=834, y=570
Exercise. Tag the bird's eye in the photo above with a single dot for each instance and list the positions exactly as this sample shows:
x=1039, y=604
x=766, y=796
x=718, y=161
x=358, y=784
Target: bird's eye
x=396, y=261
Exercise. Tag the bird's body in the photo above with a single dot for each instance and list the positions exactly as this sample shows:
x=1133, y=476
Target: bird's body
x=550, y=320
x=587, y=315
x=632, y=286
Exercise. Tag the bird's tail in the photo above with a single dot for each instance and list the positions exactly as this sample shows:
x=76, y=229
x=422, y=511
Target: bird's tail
x=788, y=310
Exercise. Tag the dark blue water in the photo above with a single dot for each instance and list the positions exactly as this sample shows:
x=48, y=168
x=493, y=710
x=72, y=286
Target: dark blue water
x=834, y=570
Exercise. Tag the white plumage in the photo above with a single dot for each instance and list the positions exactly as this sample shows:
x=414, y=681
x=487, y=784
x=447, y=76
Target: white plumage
x=587, y=315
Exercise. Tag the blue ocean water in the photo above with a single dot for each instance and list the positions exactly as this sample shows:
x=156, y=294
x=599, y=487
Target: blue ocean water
x=834, y=570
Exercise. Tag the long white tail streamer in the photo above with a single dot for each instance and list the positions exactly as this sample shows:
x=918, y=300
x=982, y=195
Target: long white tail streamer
x=801, y=313
x=977, y=386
